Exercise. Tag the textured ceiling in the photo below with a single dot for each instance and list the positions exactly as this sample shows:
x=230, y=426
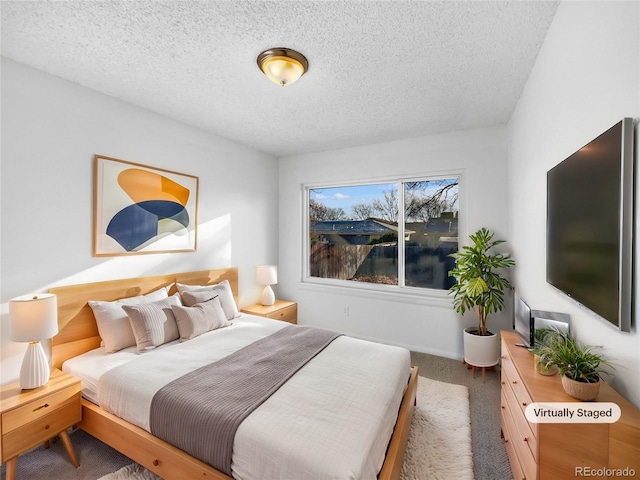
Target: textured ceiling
x=378, y=71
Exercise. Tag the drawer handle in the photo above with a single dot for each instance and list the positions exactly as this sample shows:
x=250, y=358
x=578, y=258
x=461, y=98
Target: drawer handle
x=524, y=404
x=501, y=406
x=504, y=357
x=40, y=407
x=504, y=383
x=515, y=382
x=46, y=427
x=156, y=462
x=525, y=440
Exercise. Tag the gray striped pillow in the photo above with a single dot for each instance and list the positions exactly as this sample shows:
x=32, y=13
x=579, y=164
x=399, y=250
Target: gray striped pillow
x=153, y=323
x=199, y=319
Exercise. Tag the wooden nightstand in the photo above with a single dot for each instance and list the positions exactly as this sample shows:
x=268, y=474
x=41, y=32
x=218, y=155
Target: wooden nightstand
x=30, y=417
x=281, y=310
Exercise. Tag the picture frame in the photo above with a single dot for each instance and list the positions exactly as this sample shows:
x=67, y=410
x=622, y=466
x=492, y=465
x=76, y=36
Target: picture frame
x=139, y=209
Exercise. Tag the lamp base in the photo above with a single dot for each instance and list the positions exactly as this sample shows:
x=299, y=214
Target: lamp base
x=268, y=297
x=35, y=369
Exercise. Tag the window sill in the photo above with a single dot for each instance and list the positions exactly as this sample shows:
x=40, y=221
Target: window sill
x=434, y=298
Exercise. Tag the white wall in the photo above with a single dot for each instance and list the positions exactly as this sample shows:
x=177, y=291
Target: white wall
x=51, y=129
x=427, y=324
x=586, y=79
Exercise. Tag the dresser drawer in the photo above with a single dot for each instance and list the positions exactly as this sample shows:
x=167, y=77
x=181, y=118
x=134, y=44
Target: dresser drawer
x=38, y=408
x=510, y=374
x=42, y=428
x=286, y=314
x=526, y=467
x=524, y=432
x=516, y=468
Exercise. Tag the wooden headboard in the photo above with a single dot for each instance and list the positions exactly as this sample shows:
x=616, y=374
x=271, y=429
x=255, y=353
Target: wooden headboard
x=78, y=332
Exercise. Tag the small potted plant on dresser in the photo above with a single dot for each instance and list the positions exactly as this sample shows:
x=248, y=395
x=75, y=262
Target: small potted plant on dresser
x=542, y=351
x=580, y=367
x=480, y=287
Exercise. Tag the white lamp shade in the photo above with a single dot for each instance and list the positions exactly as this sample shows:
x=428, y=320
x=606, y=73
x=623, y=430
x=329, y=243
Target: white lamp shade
x=267, y=275
x=33, y=317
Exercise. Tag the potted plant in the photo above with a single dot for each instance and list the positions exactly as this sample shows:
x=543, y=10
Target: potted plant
x=542, y=351
x=480, y=287
x=580, y=367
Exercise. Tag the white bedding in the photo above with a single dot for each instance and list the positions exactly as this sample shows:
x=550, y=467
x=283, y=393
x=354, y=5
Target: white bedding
x=332, y=420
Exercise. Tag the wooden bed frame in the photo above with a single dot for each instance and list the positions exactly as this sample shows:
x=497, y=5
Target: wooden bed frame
x=78, y=333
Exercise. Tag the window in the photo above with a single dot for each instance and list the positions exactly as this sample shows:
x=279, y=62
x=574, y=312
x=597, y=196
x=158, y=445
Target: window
x=353, y=232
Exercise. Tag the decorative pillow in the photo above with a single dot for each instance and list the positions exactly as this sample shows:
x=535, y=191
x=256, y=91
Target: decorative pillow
x=226, y=296
x=153, y=323
x=113, y=322
x=199, y=296
x=199, y=319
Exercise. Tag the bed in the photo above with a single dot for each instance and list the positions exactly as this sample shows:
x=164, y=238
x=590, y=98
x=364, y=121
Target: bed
x=78, y=338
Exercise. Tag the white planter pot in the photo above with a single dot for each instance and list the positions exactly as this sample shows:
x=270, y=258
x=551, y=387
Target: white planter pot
x=481, y=351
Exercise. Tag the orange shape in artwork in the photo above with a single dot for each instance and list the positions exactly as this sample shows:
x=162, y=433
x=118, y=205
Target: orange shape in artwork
x=142, y=186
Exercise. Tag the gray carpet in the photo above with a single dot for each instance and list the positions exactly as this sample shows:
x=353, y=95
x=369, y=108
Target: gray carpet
x=489, y=455
x=490, y=460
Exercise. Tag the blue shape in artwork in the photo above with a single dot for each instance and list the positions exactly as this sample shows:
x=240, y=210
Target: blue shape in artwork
x=138, y=223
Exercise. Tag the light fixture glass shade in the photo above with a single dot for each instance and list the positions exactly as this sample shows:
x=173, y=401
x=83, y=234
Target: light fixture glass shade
x=267, y=274
x=282, y=66
x=282, y=70
x=33, y=318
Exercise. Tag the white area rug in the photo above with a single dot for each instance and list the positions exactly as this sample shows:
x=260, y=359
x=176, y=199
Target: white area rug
x=440, y=439
x=131, y=472
x=439, y=442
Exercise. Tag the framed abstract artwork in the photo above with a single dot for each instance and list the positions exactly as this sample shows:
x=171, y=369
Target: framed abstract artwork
x=141, y=209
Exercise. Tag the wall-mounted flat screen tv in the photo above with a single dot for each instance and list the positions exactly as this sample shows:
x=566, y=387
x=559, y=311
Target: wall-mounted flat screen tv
x=590, y=225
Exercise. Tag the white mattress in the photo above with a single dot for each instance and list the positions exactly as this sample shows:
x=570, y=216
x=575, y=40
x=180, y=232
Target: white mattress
x=332, y=420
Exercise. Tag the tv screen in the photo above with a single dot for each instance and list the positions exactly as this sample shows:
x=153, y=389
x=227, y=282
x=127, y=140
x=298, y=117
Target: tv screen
x=590, y=225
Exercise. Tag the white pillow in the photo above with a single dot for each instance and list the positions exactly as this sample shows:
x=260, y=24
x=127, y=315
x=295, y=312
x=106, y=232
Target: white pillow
x=224, y=290
x=199, y=319
x=153, y=323
x=113, y=322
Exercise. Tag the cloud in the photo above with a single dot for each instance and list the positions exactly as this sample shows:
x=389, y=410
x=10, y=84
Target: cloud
x=320, y=195
x=340, y=196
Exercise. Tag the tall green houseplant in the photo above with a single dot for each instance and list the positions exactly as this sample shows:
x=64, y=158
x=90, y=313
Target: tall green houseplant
x=479, y=286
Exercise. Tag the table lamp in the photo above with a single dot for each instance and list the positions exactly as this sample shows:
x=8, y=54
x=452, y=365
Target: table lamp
x=33, y=318
x=267, y=275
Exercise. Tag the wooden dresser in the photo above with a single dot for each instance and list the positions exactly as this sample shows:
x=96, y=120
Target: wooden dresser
x=547, y=451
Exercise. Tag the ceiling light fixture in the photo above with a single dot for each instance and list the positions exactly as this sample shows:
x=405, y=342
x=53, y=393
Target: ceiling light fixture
x=282, y=65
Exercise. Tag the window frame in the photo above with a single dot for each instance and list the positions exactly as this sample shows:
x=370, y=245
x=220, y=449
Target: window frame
x=374, y=290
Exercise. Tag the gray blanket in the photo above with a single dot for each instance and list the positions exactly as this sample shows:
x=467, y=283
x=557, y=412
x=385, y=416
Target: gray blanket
x=201, y=411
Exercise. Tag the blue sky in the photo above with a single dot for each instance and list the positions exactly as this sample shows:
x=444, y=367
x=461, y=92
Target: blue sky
x=346, y=197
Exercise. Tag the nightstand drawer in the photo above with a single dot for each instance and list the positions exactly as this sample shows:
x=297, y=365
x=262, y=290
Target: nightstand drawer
x=22, y=439
x=38, y=408
x=287, y=314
